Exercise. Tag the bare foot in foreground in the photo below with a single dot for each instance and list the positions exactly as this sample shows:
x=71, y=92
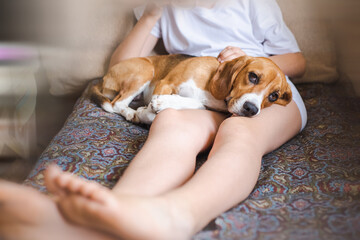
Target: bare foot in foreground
x=94, y=206
x=26, y=214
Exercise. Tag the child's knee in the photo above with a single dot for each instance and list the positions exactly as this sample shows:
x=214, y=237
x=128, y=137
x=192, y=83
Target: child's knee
x=167, y=117
x=237, y=129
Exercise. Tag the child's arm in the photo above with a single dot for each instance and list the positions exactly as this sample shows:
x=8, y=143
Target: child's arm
x=292, y=64
x=139, y=42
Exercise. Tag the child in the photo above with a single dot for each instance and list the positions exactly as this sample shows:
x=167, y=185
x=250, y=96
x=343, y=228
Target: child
x=159, y=196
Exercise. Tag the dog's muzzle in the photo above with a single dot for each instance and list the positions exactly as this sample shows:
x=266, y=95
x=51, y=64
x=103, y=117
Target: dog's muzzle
x=249, y=109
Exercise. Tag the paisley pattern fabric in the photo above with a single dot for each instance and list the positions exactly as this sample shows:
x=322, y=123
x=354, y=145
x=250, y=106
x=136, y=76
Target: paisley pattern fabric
x=308, y=189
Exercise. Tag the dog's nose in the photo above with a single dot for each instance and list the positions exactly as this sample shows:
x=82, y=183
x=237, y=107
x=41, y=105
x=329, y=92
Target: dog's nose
x=249, y=109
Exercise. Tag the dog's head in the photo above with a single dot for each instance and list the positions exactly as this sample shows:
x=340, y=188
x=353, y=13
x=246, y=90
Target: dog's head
x=249, y=84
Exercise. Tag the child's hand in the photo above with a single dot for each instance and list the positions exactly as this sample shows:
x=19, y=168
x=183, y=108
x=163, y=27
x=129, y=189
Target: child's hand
x=230, y=53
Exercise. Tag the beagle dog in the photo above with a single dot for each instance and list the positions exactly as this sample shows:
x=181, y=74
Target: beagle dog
x=242, y=86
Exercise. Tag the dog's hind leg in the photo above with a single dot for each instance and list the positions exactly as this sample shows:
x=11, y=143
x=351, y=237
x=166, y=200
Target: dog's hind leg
x=124, y=82
x=121, y=105
x=96, y=95
x=110, y=86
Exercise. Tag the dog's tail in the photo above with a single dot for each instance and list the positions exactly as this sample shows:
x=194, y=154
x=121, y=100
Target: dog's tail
x=98, y=97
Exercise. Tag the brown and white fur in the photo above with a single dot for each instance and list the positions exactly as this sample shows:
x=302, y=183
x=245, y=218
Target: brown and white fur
x=242, y=86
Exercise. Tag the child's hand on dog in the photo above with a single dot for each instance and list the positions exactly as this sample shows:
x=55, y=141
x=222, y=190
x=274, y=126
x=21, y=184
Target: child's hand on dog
x=230, y=53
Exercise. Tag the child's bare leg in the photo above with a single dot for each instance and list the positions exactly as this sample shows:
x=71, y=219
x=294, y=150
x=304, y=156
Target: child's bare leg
x=175, y=139
x=232, y=169
x=225, y=179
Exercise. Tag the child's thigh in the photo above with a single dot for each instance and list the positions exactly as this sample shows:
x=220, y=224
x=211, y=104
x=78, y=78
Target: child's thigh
x=264, y=133
x=195, y=126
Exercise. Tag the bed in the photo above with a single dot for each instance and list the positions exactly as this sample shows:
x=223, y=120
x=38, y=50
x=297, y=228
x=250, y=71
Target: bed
x=308, y=189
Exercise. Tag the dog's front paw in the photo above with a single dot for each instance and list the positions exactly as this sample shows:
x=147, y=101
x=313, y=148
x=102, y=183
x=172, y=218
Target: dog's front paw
x=145, y=115
x=158, y=103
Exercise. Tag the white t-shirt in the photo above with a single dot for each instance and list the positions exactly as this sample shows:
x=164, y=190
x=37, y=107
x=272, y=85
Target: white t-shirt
x=255, y=26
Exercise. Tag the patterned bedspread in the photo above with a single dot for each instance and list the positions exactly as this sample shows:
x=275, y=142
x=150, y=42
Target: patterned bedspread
x=307, y=189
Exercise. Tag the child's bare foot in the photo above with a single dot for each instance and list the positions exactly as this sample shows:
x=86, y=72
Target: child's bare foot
x=27, y=214
x=91, y=205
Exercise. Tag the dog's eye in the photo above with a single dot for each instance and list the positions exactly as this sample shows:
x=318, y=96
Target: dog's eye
x=273, y=97
x=253, y=78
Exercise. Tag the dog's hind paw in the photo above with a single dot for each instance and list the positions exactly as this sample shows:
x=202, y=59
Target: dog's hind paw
x=108, y=107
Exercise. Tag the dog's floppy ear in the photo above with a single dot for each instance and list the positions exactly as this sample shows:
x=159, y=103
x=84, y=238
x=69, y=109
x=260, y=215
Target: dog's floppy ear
x=286, y=95
x=221, y=83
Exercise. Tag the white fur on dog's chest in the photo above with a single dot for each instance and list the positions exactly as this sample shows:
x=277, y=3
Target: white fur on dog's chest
x=191, y=90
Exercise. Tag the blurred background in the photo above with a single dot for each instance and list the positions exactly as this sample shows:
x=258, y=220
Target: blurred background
x=46, y=47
